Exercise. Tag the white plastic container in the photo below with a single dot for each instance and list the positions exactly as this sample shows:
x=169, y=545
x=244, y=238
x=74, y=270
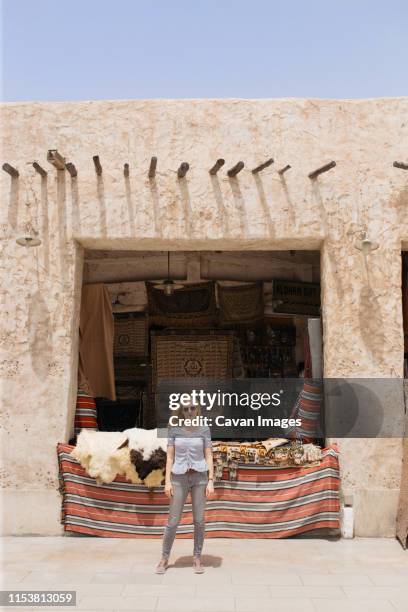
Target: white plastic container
x=347, y=522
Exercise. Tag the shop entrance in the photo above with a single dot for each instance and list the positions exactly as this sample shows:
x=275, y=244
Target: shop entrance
x=262, y=299
x=191, y=314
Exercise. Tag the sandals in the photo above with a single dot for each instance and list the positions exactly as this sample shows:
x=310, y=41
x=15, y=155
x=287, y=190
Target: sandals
x=198, y=568
x=161, y=566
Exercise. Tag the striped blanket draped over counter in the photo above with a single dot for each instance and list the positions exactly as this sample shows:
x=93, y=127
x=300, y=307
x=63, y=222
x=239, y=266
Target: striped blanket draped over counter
x=264, y=502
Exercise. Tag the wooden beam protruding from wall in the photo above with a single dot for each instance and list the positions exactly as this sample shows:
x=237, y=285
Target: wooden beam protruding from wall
x=56, y=159
x=152, y=167
x=43, y=173
x=284, y=169
x=322, y=169
x=126, y=170
x=235, y=169
x=400, y=165
x=183, y=169
x=71, y=169
x=261, y=167
x=13, y=172
x=218, y=164
x=97, y=164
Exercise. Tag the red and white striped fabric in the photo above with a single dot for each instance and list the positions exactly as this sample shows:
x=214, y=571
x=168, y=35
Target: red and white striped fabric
x=85, y=413
x=308, y=409
x=264, y=502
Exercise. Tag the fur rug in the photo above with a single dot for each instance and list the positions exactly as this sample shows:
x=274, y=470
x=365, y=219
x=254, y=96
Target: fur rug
x=137, y=454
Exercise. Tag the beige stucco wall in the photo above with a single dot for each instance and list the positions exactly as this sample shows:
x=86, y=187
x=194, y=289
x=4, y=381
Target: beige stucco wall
x=40, y=286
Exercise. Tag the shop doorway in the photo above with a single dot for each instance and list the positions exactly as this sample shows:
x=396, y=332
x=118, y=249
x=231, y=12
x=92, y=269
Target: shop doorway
x=234, y=314
x=263, y=299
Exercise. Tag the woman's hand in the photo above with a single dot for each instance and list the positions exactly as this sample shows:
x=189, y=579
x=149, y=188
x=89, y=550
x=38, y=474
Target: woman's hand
x=168, y=489
x=210, y=488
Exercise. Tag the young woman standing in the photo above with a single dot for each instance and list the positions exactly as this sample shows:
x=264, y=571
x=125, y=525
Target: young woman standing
x=189, y=468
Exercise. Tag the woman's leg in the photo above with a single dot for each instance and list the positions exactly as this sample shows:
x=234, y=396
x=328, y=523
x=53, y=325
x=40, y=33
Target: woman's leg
x=198, y=502
x=180, y=490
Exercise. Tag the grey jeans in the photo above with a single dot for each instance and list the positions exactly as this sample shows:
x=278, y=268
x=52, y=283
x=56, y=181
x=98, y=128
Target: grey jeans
x=196, y=483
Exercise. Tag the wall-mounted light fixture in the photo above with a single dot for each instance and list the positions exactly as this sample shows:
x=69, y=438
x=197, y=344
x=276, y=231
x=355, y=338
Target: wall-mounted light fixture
x=30, y=239
x=365, y=244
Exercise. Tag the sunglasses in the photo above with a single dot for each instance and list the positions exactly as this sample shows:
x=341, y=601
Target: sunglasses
x=189, y=408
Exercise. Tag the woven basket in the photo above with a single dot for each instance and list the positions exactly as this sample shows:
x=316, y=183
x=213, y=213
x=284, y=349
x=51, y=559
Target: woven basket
x=194, y=355
x=130, y=335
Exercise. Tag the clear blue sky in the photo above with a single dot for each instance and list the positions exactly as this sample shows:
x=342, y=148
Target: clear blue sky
x=121, y=49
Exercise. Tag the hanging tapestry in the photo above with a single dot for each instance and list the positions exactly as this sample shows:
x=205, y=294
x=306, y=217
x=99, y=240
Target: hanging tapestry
x=195, y=355
x=193, y=305
x=241, y=304
x=130, y=334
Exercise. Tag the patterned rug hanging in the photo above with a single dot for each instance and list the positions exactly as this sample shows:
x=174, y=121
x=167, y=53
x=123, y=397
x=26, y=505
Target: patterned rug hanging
x=192, y=305
x=241, y=304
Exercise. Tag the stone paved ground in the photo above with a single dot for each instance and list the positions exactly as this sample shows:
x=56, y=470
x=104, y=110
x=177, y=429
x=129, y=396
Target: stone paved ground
x=301, y=575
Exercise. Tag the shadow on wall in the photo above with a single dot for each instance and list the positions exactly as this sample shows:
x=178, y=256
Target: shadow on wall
x=45, y=222
x=130, y=205
x=215, y=184
x=186, y=205
x=371, y=322
x=239, y=204
x=13, y=202
x=155, y=200
x=39, y=331
x=401, y=203
x=76, y=216
x=331, y=253
x=289, y=201
x=234, y=207
x=100, y=192
x=62, y=220
x=264, y=204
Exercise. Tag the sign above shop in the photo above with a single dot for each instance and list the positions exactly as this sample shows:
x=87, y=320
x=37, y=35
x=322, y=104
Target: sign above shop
x=296, y=297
